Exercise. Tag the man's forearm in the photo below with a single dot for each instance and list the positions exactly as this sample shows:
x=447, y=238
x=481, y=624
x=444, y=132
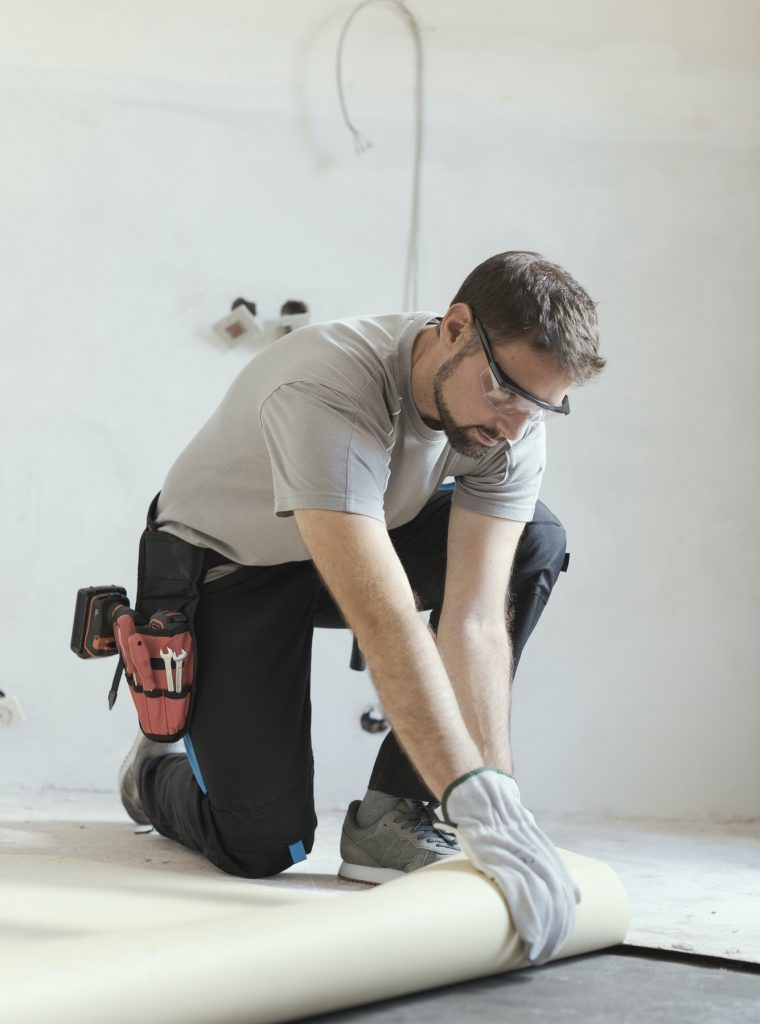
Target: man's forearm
x=417, y=695
x=356, y=559
x=478, y=660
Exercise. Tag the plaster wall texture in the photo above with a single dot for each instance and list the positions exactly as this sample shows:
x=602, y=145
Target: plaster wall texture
x=162, y=158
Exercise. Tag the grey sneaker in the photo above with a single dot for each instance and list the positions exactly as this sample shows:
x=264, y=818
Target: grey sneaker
x=404, y=839
x=142, y=750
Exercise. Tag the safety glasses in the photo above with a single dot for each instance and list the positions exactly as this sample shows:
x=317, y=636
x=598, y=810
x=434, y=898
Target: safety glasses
x=502, y=392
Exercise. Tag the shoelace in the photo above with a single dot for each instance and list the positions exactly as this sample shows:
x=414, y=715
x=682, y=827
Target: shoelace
x=420, y=818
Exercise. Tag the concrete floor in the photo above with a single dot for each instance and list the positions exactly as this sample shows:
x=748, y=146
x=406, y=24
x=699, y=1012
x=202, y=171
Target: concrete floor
x=602, y=988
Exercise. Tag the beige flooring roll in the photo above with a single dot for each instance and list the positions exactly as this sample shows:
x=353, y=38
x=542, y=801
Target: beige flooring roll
x=208, y=958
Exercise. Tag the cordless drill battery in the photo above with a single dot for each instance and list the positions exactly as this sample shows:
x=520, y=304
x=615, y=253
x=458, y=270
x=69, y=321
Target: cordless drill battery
x=92, y=635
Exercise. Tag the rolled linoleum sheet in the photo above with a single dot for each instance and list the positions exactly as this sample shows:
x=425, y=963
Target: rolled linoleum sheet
x=277, y=962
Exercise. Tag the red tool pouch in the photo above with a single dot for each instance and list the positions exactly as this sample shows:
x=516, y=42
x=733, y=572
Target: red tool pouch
x=159, y=663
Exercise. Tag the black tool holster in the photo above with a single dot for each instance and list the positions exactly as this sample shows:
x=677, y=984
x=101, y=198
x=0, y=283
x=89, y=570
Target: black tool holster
x=169, y=571
x=156, y=640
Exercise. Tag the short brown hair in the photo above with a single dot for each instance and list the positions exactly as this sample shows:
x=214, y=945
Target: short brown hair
x=521, y=295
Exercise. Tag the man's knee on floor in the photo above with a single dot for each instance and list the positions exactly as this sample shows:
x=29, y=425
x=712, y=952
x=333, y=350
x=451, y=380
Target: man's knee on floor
x=260, y=862
x=257, y=842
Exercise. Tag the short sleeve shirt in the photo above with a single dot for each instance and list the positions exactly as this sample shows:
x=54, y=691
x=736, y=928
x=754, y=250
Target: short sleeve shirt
x=324, y=418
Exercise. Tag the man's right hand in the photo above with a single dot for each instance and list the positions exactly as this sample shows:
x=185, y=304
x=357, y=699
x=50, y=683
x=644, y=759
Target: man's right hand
x=502, y=840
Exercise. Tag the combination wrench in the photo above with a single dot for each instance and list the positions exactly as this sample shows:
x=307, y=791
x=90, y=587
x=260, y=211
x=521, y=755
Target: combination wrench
x=167, y=656
x=178, y=659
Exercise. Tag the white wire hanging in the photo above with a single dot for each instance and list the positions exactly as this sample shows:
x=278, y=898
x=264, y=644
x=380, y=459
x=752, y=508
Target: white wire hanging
x=362, y=143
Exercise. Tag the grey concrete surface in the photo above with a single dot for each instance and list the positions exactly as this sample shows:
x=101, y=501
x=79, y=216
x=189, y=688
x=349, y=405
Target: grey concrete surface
x=602, y=988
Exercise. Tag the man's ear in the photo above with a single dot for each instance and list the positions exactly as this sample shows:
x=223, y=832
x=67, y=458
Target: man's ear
x=454, y=324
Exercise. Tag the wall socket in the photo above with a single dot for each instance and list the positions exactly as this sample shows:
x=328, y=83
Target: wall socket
x=239, y=325
x=284, y=324
x=10, y=711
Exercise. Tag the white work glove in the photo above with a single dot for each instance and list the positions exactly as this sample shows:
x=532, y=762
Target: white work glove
x=502, y=840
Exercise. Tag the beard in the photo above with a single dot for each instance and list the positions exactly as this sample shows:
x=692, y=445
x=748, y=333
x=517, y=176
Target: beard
x=456, y=434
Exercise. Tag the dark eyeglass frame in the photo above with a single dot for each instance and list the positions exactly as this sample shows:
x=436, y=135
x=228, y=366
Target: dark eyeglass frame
x=506, y=382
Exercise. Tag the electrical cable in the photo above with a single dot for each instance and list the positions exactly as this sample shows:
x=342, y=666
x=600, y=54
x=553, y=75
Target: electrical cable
x=362, y=143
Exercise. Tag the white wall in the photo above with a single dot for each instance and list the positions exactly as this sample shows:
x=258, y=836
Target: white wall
x=160, y=158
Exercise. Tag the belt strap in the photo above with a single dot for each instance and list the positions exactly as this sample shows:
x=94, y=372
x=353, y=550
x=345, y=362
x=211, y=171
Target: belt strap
x=211, y=559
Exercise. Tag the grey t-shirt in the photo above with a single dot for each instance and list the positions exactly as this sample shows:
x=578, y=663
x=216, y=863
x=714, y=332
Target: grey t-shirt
x=324, y=418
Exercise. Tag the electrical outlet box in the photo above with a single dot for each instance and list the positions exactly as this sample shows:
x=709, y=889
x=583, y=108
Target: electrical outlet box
x=238, y=326
x=10, y=712
x=286, y=323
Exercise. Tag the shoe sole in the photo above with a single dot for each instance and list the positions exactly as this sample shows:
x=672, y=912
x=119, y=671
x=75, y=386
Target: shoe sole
x=368, y=875
x=135, y=811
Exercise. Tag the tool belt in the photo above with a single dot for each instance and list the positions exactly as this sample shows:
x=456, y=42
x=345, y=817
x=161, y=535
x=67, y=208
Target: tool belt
x=156, y=642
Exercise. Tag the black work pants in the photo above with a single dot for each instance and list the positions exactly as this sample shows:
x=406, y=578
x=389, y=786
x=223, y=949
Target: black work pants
x=251, y=727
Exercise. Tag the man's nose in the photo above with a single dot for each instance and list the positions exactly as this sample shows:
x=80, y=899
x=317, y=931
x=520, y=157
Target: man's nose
x=513, y=426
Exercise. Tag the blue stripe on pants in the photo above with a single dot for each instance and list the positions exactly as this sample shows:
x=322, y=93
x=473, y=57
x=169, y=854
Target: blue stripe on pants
x=194, y=762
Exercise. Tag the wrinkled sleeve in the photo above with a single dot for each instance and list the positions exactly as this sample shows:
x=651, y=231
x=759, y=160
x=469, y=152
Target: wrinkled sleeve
x=507, y=483
x=325, y=451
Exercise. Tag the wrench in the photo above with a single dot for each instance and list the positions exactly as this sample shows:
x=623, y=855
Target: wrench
x=178, y=659
x=167, y=655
